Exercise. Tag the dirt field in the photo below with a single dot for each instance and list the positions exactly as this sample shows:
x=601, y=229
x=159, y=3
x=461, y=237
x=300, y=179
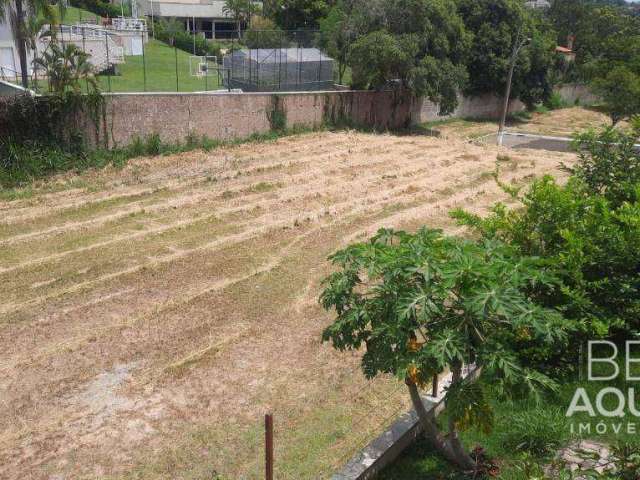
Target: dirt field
x=150, y=316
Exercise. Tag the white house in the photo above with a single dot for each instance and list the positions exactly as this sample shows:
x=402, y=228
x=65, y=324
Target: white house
x=9, y=60
x=204, y=16
x=538, y=3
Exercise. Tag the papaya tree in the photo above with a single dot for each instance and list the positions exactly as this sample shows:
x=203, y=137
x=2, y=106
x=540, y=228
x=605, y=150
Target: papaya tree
x=424, y=304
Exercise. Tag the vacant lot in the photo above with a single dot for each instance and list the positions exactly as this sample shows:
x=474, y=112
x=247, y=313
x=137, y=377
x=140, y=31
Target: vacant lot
x=559, y=123
x=151, y=315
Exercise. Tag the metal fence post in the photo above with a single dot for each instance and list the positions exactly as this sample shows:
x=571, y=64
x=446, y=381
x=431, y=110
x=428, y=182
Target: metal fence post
x=268, y=446
x=144, y=61
x=175, y=49
x=84, y=49
x=106, y=44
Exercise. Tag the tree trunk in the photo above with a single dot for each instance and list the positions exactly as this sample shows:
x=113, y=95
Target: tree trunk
x=439, y=441
x=21, y=43
x=454, y=439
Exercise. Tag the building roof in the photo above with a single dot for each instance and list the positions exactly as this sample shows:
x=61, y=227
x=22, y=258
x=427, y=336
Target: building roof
x=560, y=49
x=278, y=55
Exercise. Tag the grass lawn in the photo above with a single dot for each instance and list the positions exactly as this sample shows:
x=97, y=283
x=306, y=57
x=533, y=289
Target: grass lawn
x=160, y=62
x=526, y=435
x=74, y=15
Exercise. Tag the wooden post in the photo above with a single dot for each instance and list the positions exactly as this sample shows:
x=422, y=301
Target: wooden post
x=434, y=385
x=268, y=444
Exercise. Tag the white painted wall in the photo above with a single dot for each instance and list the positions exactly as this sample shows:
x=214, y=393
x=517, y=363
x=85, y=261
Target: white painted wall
x=8, y=52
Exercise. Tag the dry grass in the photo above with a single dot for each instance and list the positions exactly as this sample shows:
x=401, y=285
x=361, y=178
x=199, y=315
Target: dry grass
x=149, y=319
x=562, y=123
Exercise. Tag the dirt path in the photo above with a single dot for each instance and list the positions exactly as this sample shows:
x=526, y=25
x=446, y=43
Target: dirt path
x=151, y=315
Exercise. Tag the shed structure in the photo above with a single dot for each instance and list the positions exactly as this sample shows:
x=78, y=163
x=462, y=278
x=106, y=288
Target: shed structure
x=278, y=69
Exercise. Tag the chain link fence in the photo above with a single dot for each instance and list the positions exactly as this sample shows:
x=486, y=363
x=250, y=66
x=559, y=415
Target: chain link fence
x=124, y=57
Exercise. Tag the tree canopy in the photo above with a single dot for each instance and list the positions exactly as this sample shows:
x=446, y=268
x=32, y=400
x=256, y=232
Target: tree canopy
x=495, y=26
x=423, y=304
x=421, y=45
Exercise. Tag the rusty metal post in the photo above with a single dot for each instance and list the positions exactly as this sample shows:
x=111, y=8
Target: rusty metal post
x=268, y=444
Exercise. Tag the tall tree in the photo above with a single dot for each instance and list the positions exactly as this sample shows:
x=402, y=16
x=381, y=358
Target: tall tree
x=335, y=37
x=620, y=91
x=420, y=45
x=496, y=25
x=295, y=14
x=19, y=14
x=241, y=11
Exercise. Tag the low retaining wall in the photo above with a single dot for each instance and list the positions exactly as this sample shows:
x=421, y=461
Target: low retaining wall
x=483, y=106
x=226, y=116
x=574, y=94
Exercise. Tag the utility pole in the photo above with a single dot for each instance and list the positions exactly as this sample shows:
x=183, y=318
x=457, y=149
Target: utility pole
x=518, y=45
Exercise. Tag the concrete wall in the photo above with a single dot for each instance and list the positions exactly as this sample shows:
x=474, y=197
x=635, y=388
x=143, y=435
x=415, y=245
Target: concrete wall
x=484, y=106
x=226, y=116
x=577, y=94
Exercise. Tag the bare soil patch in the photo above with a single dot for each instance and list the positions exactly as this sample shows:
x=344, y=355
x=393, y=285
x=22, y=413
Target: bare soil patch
x=150, y=316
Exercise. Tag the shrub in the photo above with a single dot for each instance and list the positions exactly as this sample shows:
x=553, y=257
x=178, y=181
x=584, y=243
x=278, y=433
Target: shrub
x=264, y=33
x=555, y=102
x=588, y=232
x=620, y=91
x=99, y=7
x=173, y=33
x=609, y=163
x=539, y=431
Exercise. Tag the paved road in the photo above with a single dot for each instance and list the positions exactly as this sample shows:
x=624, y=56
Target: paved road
x=536, y=142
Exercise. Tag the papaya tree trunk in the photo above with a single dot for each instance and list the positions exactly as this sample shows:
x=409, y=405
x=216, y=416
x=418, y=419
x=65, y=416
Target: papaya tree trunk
x=453, y=436
x=459, y=458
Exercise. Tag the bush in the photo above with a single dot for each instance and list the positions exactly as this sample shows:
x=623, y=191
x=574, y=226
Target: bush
x=104, y=9
x=609, y=163
x=172, y=33
x=588, y=231
x=554, y=102
x=539, y=430
x=264, y=33
x=620, y=91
